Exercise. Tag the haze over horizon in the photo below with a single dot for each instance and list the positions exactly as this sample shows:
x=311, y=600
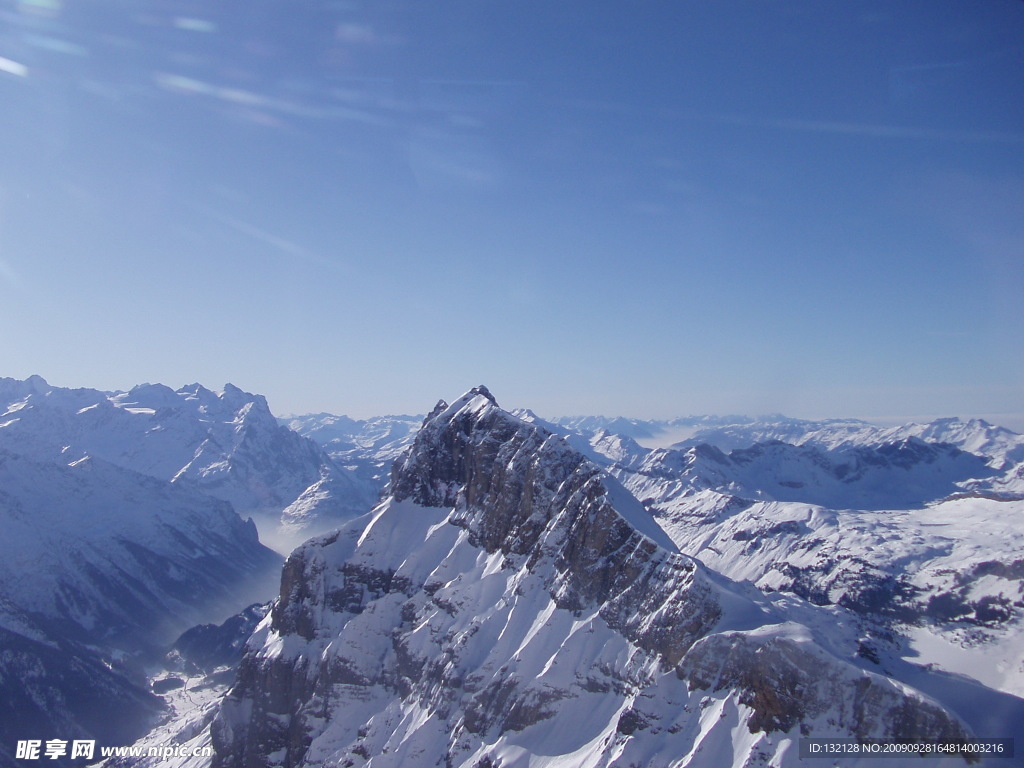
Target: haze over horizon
x=793, y=207
x=1009, y=421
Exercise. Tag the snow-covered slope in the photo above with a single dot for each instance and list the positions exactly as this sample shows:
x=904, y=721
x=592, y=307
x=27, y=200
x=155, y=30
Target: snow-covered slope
x=113, y=541
x=511, y=604
x=106, y=556
x=228, y=444
x=909, y=473
x=365, y=447
x=651, y=433
x=921, y=536
x=100, y=565
x=946, y=579
x=1000, y=446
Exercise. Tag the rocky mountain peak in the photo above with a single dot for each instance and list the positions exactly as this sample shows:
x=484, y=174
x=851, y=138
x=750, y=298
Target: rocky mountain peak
x=483, y=391
x=435, y=464
x=37, y=384
x=236, y=398
x=439, y=408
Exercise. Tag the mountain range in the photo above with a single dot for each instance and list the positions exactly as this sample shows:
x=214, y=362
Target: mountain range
x=511, y=603
x=121, y=529
x=492, y=588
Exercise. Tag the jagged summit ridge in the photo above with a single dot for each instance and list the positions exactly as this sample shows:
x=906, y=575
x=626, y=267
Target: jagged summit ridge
x=509, y=600
x=482, y=391
x=457, y=445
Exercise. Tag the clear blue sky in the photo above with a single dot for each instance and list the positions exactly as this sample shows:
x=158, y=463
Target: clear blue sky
x=642, y=208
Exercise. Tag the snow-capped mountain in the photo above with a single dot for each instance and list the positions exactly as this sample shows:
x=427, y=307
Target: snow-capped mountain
x=101, y=566
x=653, y=433
x=106, y=556
x=365, y=447
x=892, y=475
x=921, y=536
x=999, y=445
x=226, y=443
x=116, y=534
x=510, y=603
x=916, y=523
x=572, y=592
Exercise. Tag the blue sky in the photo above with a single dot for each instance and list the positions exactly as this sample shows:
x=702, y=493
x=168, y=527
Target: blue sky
x=649, y=209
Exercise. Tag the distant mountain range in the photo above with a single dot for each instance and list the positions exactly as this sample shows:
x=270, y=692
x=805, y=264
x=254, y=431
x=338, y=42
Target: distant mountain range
x=227, y=444
x=120, y=524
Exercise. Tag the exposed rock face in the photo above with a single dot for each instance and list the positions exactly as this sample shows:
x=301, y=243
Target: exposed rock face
x=785, y=683
x=208, y=647
x=509, y=600
x=522, y=491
